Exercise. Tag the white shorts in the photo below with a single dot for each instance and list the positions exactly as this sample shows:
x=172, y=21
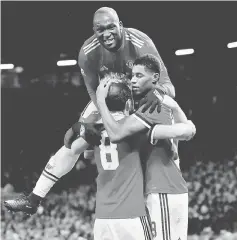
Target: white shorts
x=169, y=215
x=122, y=229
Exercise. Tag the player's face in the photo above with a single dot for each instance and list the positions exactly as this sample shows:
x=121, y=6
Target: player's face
x=108, y=31
x=142, y=80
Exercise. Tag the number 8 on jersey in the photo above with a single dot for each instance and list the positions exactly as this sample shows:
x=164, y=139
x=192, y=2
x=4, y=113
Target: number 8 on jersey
x=108, y=153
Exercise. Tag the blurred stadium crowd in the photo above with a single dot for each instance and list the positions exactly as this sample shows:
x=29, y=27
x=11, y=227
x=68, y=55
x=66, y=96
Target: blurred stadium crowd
x=69, y=214
x=35, y=117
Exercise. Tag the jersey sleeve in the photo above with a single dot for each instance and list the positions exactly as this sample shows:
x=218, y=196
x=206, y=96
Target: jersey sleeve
x=149, y=119
x=150, y=48
x=89, y=74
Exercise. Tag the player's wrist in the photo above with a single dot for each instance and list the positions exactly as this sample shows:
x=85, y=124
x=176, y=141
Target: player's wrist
x=152, y=140
x=101, y=103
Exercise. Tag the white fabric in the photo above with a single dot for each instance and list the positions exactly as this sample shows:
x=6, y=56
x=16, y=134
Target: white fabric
x=169, y=215
x=90, y=107
x=118, y=229
x=60, y=164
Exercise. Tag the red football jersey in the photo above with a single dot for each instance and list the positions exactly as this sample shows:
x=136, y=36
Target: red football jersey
x=161, y=174
x=120, y=189
x=95, y=61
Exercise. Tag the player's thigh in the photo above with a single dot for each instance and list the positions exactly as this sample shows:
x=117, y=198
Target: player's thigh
x=169, y=215
x=153, y=204
x=90, y=107
x=120, y=229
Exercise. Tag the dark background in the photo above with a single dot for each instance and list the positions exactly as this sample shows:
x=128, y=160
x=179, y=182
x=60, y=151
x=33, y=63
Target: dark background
x=34, y=34
x=40, y=104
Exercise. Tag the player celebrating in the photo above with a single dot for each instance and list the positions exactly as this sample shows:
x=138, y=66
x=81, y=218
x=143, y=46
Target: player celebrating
x=110, y=163
x=120, y=207
x=166, y=190
x=112, y=48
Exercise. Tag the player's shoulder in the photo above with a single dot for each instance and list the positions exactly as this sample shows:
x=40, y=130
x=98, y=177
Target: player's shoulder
x=90, y=46
x=149, y=119
x=137, y=34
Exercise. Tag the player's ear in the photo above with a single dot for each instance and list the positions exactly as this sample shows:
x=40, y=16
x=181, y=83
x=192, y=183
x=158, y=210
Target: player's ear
x=121, y=25
x=156, y=77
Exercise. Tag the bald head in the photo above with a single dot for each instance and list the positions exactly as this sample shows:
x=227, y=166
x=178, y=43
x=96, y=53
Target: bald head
x=106, y=11
x=108, y=28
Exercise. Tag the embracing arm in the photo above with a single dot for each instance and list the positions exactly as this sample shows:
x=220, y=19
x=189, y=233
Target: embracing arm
x=182, y=129
x=117, y=131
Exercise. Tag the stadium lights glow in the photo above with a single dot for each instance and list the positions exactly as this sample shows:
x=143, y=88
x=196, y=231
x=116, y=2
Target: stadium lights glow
x=66, y=63
x=232, y=45
x=184, y=52
x=19, y=69
x=7, y=66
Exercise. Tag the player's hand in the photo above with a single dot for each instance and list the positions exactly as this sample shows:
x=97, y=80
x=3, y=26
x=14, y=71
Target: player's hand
x=89, y=131
x=69, y=138
x=102, y=90
x=152, y=100
x=93, y=133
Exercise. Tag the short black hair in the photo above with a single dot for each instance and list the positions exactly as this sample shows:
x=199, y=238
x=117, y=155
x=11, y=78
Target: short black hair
x=150, y=61
x=119, y=92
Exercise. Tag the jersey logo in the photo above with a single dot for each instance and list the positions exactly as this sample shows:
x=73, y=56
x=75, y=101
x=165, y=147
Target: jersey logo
x=129, y=63
x=137, y=42
x=48, y=166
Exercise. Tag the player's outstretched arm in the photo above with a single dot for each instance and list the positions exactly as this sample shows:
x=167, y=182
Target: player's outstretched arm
x=117, y=131
x=178, y=114
x=179, y=131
